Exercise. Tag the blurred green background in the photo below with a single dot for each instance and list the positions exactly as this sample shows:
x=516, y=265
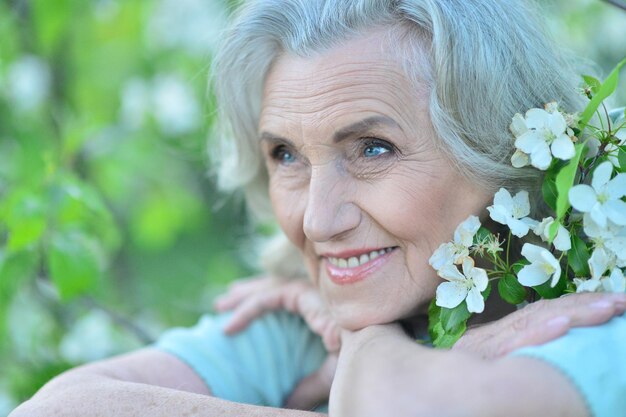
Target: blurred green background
x=111, y=228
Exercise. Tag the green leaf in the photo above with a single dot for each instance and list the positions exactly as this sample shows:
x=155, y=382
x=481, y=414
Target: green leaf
x=564, y=181
x=593, y=83
x=433, y=317
x=24, y=215
x=546, y=291
x=75, y=264
x=454, y=319
x=451, y=318
x=511, y=290
x=548, y=189
x=605, y=90
x=578, y=256
x=446, y=340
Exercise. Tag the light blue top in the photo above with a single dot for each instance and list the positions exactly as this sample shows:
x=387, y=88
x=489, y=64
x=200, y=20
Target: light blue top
x=263, y=364
x=260, y=365
x=594, y=359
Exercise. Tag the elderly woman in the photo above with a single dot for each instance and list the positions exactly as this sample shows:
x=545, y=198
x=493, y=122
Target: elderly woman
x=370, y=129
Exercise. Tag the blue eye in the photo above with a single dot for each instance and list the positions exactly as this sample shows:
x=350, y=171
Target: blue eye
x=282, y=155
x=376, y=149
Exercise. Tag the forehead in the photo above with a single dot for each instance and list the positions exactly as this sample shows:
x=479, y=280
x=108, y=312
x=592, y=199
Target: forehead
x=361, y=77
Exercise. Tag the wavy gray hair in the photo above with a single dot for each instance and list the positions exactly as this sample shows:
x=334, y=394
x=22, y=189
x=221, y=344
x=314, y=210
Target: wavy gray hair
x=487, y=60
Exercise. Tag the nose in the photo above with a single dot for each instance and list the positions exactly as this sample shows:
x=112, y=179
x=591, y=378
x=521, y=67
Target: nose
x=330, y=211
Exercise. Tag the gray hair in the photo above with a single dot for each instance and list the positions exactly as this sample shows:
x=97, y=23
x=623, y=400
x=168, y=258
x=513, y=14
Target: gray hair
x=487, y=60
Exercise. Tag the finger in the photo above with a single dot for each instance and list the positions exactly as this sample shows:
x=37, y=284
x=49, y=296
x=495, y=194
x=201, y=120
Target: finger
x=537, y=335
x=250, y=309
x=582, y=309
x=241, y=289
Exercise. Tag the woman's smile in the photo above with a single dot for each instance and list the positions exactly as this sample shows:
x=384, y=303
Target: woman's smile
x=348, y=268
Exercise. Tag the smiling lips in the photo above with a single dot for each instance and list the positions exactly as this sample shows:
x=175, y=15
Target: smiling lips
x=348, y=270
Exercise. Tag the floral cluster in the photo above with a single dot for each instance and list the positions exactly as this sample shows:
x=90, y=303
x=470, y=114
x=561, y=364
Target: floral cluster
x=579, y=247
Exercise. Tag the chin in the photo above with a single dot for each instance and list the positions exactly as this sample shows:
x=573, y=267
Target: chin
x=355, y=318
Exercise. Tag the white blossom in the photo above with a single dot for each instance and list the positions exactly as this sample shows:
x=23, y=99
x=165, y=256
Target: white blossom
x=562, y=241
x=543, y=136
x=462, y=286
x=454, y=252
x=602, y=200
x=587, y=285
x=599, y=262
x=615, y=282
x=612, y=238
x=543, y=266
x=512, y=211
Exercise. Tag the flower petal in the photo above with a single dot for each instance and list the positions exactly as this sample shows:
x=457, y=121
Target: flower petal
x=499, y=214
x=443, y=255
x=616, y=211
x=598, y=215
x=503, y=198
x=532, y=275
x=521, y=204
x=563, y=148
x=518, y=125
x=532, y=252
x=598, y=263
x=601, y=175
x=615, y=282
x=537, y=118
x=557, y=124
x=518, y=227
x=475, y=301
x=451, y=273
x=541, y=157
x=479, y=278
x=529, y=141
x=582, y=197
x=451, y=294
x=617, y=186
x=464, y=233
x=562, y=241
x=519, y=159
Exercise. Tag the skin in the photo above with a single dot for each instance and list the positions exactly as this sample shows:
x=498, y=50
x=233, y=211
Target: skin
x=353, y=166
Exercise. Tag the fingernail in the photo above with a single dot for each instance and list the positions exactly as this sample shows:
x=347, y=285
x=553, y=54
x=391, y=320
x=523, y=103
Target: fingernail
x=558, y=322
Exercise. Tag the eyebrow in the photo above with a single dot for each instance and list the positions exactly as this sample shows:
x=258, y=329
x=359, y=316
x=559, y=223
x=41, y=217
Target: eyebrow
x=363, y=126
x=360, y=127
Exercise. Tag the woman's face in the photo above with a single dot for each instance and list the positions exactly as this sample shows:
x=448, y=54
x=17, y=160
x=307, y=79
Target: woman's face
x=356, y=182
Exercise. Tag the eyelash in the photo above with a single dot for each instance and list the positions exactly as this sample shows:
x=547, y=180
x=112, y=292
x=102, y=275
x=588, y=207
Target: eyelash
x=371, y=142
x=278, y=152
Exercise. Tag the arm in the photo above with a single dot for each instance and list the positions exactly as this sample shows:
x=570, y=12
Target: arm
x=147, y=382
x=380, y=362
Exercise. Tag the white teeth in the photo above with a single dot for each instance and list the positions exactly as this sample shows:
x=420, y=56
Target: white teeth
x=353, y=261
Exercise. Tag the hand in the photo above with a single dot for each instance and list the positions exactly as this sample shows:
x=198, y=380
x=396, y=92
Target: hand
x=541, y=322
x=250, y=298
x=253, y=297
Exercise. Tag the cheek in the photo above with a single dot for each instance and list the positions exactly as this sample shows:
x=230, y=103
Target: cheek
x=288, y=206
